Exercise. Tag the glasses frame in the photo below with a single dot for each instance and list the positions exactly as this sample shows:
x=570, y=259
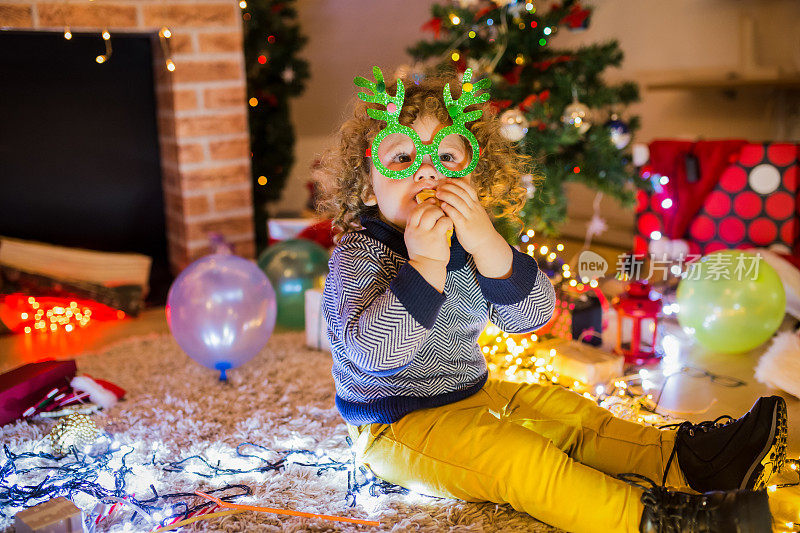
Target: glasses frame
x=422, y=149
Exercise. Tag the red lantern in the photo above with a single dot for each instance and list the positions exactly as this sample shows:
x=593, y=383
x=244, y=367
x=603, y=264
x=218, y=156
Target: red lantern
x=634, y=307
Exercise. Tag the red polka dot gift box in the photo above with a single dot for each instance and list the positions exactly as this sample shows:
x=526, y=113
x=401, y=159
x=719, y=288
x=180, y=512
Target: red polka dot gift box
x=750, y=200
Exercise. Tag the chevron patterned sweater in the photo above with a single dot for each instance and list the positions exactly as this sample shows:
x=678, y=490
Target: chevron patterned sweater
x=397, y=343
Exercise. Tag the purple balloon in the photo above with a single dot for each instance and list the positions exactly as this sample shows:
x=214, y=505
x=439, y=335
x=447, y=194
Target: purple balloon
x=221, y=309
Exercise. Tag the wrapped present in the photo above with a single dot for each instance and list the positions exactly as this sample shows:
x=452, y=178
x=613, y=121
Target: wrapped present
x=582, y=362
x=578, y=314
x=713, y=195
x=316, y=327
x=22, y=387
x=58, y=515
x=754, y=204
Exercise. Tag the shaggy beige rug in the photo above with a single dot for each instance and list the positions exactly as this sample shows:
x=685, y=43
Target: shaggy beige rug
x=282, y=399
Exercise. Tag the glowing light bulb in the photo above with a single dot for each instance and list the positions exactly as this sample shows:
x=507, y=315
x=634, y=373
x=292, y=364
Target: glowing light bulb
x=454, y=19
x=106, y=35
x=667, y=203
x=67, y=35
x=664, y=180
x=170, y=65
x=560, y=247
x=253, y=101
x=262, y=180
x=472, y=34
x=455, y=56
x=100, y=59
x=656, y=235
x=243, y=4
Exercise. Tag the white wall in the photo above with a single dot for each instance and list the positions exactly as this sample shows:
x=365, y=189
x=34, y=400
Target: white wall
x=347, y=37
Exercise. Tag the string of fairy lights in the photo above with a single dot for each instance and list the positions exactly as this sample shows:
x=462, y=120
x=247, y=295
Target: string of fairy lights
x=113, y=489
x=99, y=473
x=164, y=35
x=469, y=33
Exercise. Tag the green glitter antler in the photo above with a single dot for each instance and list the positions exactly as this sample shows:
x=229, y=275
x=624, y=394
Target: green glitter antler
x=391, y=115
x=469, y=96
x=393, y=103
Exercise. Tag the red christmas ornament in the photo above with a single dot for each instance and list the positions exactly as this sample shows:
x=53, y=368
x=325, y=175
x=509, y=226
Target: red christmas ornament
x=512, y=76
x=434, y=25
x=546, y=64
x=482, y=12
x=577, y=17
x=528, y=102
x=499, y=105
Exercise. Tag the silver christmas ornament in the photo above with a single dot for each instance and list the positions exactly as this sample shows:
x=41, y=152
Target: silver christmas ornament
x=619, y=132
x=514, y=125
x=527, y=182
x=577, y=115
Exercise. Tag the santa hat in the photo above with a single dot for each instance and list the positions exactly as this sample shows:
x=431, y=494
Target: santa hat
x=101, y=392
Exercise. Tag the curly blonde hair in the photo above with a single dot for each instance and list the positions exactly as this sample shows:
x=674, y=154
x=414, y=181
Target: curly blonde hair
x=343, y=173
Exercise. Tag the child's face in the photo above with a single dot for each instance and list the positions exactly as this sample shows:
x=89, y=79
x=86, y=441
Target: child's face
x=396, y=197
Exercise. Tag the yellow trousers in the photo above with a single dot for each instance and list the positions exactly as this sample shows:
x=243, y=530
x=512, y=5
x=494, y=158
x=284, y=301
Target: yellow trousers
x=544, y=450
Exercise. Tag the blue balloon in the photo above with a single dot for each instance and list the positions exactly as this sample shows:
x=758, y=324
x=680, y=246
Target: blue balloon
x=221, y=309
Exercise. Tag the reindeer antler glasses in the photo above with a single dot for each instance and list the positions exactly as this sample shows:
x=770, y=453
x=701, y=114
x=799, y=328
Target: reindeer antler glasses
x=397, y=150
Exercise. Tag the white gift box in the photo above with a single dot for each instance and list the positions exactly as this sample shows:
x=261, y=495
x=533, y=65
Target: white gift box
x=288, y=228
x=582, y=361
x=316, y=327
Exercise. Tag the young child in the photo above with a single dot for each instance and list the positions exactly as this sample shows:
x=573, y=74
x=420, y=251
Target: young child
x=404, y=309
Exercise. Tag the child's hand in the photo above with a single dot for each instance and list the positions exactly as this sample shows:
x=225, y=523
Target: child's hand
x=460, y=203
x=425, y=233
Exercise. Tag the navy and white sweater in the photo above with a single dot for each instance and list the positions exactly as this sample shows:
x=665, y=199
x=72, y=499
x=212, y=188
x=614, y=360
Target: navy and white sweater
x=397, y=343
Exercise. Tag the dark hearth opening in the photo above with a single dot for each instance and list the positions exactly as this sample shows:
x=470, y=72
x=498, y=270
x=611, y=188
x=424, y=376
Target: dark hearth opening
x=79, y=147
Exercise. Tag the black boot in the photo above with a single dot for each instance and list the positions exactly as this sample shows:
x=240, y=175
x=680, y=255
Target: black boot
x=733, y=454
x=734, y=511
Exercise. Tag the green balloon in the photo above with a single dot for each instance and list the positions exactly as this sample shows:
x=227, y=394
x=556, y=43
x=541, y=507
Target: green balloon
x=732, y=305
x=294, y=266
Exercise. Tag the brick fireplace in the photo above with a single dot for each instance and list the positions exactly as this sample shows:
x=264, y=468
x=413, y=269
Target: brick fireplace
x=201, y=108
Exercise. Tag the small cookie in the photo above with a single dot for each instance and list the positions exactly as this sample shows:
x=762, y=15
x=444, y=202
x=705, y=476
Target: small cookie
x=423, y=195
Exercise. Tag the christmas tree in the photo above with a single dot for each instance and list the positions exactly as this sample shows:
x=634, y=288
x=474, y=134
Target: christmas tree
x=272, y=39
x=553, y=102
